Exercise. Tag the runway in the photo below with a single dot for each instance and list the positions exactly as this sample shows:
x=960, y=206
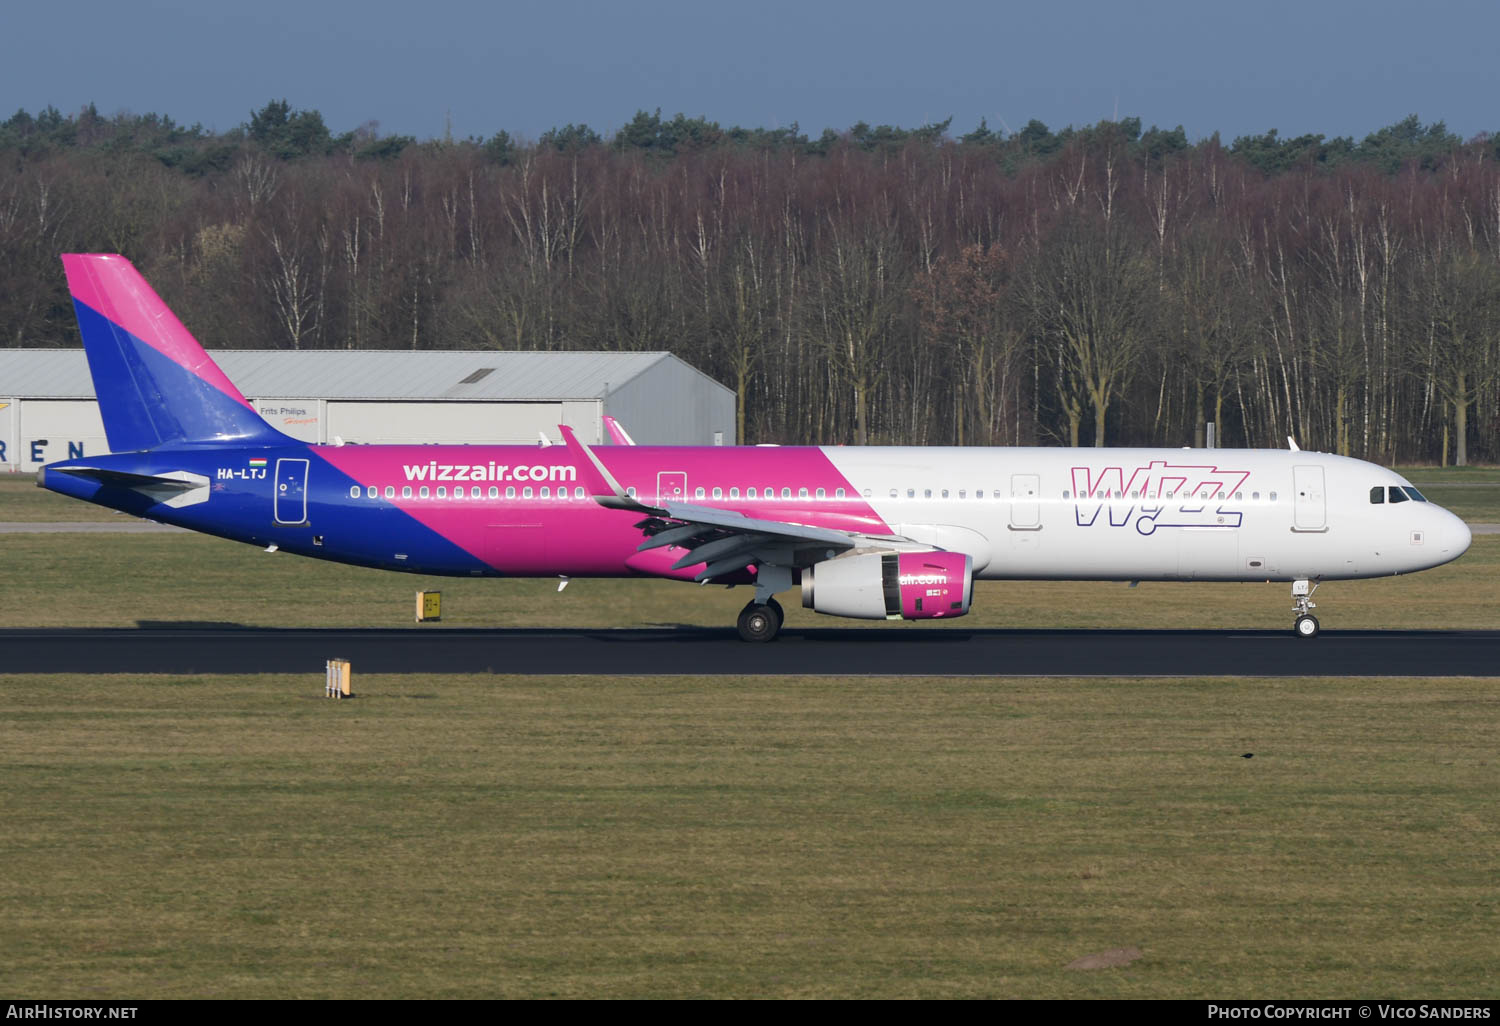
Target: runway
x=843, y=652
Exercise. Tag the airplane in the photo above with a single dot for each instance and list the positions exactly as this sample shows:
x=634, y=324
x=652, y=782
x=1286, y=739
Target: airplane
x=876, y=532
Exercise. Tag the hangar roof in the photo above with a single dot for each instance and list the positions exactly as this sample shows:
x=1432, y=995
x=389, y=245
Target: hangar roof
x=363, y=374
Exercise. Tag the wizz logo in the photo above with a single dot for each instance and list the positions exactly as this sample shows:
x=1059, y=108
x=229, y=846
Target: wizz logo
x=1159, y=495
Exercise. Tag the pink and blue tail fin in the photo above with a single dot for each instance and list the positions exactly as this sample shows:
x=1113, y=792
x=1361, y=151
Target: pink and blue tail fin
x=156, y=385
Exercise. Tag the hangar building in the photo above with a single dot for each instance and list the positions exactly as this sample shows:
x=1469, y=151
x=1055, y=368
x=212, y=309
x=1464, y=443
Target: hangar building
x=48, y=411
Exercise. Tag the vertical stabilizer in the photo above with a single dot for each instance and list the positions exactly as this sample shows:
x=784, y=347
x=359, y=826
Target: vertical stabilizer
x=156, y=385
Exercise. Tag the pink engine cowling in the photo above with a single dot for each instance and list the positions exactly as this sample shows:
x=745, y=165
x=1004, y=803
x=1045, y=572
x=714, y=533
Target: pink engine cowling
x=891, y=585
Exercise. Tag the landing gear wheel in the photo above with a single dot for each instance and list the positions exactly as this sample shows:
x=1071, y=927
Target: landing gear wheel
x=1306, y=626
x=759, y=622
x=780, y=613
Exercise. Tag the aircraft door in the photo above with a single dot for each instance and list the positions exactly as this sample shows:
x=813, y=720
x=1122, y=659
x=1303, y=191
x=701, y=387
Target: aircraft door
x=291, y=491
x=671, y=486
x=1025, y=502
x=1310, y=512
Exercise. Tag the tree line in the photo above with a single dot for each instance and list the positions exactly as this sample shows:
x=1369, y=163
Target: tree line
x=1101, y=285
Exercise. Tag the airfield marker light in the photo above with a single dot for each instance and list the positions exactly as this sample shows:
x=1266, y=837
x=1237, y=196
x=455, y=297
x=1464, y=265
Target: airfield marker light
x=337, y=684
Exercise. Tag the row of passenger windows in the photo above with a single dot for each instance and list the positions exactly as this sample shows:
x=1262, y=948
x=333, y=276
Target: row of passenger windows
x=1398, y=493
x=474, y=492
x=546, y=492
x=1106, y=494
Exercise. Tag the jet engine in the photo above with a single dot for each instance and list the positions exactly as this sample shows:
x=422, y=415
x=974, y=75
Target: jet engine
x=921, y=585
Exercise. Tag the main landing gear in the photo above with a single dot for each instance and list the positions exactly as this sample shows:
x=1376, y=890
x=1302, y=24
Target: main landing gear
x=1306, y=625
x=761, y=621
x=762, y=618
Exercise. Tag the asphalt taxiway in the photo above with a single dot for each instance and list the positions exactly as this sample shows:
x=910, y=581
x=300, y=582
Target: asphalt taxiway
x=847, y=652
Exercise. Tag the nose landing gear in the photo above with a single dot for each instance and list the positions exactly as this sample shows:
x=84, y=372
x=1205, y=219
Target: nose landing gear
x=1306, y=625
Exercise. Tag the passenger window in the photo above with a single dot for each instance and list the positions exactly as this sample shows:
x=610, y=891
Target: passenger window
x=786, y=493
x=630, y=491
x=1065, y=493
x=1377, y=495
x=801, y=493
x=370, y=492
x=893, y=494
x=750, y=493
x=458, y=493
x=495, y=492
x=718, y=493
x=546, y=492
x=734, y=493
x=510, y=492
x=1273, y=496
x=979, y=493
x=1397, y=495
x=963, y=493
x=1255, y=496
x=475, y=491
x=926, y=493
x=442, y=491
x=822, y=493
x=945, y=493
x=406, y=491
x=425, y=492
x=911, y=493
x=526, y=492
x=578, y=492
x=699, y=493
x=354, y=492
x=390, y=491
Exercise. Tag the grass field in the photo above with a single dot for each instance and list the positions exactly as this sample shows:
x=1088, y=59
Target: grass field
x=21, y=501
x=118, y=580
x=495, y=836
x=125, y=580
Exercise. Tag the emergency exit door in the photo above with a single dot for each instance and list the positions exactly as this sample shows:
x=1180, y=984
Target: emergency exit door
x=1310, y=510
x=291, y=491
x=1025, y=502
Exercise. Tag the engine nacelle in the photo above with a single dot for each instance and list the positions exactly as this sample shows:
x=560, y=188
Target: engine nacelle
x=891, y=585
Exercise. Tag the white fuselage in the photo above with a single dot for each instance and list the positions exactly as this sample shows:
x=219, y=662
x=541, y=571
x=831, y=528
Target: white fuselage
x=1152, y=514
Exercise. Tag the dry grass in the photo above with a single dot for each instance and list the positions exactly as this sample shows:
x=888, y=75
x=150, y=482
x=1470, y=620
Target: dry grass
x=494, y=836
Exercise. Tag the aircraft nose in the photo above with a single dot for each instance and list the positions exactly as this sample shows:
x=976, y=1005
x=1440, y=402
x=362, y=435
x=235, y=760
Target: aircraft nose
x=1451, y=535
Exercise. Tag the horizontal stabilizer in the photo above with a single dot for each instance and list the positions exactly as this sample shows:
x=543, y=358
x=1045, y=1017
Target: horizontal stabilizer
x=120, y=479
x=175, y=488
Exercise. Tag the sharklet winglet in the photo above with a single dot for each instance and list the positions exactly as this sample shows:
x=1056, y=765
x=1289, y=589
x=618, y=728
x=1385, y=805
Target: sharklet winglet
x=603, y=487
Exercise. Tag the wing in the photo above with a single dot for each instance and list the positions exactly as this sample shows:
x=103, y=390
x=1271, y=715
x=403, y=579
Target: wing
x=726, y=541
x=723, y=540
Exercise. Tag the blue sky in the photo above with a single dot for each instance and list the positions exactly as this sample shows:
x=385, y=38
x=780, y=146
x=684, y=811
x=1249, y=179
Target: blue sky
x=1338, y=67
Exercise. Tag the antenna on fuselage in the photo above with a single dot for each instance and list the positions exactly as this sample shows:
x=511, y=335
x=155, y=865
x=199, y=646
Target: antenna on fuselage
x=1291, y=443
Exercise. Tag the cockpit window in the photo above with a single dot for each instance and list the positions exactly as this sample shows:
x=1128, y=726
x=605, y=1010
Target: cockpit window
x=1377, y=495
x=1409, y=490
x=1397, y=495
